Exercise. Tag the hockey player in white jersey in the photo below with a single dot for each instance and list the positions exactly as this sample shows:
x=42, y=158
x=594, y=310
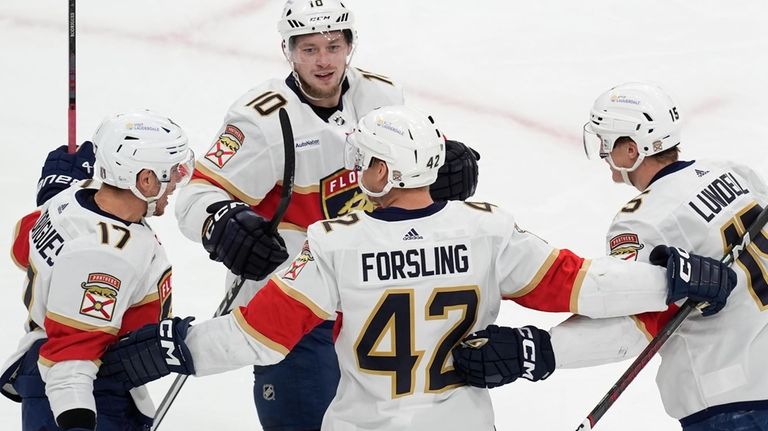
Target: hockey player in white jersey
x=324, y=96
x=712, y=374
x=96, y=271
x=408, y=281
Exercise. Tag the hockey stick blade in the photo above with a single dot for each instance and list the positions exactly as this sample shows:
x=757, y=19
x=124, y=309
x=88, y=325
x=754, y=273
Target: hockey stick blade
x=658, y=341
x=289, y=170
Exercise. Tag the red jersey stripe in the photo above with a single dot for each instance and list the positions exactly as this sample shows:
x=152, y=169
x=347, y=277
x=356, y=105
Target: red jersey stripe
x=303, y=210
x=278, y=317
x=20, y=248
x=554, y=290
x=652, y=323
x=66, y=343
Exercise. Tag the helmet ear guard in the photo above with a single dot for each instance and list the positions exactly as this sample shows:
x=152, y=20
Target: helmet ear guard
x=407, y=140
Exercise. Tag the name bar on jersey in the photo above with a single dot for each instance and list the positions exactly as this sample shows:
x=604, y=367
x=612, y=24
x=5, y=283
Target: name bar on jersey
x=716, y=196
x=415, y=262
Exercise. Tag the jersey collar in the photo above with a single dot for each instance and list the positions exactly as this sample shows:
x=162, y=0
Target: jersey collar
x=86, y=199
x=670, y=169
x=399, y=214
x=323, y=113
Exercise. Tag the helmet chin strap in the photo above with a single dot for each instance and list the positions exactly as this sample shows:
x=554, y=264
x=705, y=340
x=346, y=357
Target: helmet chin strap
x=151, y=200
x=384, y=191
x=625, y=171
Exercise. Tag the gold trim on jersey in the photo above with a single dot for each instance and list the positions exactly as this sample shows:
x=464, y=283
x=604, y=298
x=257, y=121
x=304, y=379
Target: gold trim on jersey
x=72, y=323
x=302, y=190
x=543, y=269
x=641, y=327
x=577, y=283
x=227, y=185
x=390, y=329
x=16, y=235
x=299, y=296
x=45, y=361
x=154, y=296
x=444, y=367
x=284, y=225
x=258, y=336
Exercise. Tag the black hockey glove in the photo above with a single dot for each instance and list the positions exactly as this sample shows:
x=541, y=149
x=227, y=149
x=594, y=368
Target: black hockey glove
x=152, y=352
x=497, y=355
x=457, y=178
x=62, y=169
x=238, y=237
x=702, y=279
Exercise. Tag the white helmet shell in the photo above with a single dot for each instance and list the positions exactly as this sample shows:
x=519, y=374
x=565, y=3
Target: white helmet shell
x=406, y=139
x=302, y=17
x=641, y=111
x=127, y=143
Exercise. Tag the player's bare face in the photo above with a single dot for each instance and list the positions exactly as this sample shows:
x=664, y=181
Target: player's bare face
x=320, y=61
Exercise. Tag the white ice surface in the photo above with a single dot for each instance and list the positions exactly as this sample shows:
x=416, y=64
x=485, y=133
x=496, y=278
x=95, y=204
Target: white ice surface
x=513, y=79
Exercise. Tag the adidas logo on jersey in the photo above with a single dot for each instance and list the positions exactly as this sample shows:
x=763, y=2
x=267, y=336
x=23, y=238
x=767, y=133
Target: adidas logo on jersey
x=701, y=173
x=411, y=235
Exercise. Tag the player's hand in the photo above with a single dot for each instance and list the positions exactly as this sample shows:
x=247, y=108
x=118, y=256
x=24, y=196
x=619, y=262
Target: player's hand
x=238, y=237
x=497, y=355
x=62, y=169
x=457, y=178
x=152, y=352
x=702, y=279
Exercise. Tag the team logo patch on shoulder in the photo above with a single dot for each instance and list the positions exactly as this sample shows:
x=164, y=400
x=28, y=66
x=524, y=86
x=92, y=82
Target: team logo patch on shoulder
x=299, y=263
x=339, y=194
x=625, y=246
x=100, y=296
x=226, y=146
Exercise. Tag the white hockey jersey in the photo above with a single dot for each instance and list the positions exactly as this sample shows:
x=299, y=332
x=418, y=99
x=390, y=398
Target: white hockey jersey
x=91, y=278
x=703, y=207
x=407, y=286
x=247, y=159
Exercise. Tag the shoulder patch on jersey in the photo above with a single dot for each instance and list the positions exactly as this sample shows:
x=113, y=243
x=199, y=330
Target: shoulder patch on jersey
x=226, y=146
x=100, y=295
x=339, y=194
x=298, y=264
x=625, y=246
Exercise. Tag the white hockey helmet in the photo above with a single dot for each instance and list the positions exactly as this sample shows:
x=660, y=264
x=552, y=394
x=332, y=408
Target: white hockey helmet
x=641, y=111
x=406, y=139
x=128, y=143
x=302, y=17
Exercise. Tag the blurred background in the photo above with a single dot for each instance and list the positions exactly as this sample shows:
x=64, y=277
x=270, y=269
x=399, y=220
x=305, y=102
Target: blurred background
x=515, y=80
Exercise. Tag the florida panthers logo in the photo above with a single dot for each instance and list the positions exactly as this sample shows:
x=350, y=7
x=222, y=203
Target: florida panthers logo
x=625, y=246
x=339, y=194
x=298, y=264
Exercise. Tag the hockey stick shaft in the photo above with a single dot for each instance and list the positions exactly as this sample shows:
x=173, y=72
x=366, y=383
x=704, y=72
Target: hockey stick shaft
x=658, y=341
x=71, y=113
x=285, y=199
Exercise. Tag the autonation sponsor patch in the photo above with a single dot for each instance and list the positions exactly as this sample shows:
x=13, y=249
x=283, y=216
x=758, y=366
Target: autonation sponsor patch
x=307, y=144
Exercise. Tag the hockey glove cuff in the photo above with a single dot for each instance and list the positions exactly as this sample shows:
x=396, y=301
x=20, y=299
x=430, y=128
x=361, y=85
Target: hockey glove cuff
x=152, y=352
x=239, y=238
x=497, y=355
x=702, y=279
